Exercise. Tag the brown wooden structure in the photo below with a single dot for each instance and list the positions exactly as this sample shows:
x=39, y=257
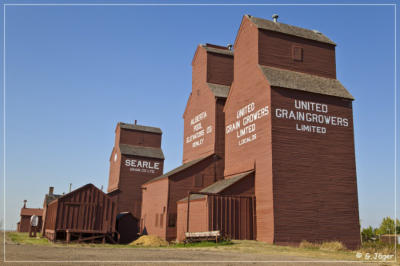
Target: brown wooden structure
x=49, y=197
x=24, y=224
x=84, y=214
x=136, y=158
x=290, y=120
x=227, y=205
x=203, y=144
x=232, y=215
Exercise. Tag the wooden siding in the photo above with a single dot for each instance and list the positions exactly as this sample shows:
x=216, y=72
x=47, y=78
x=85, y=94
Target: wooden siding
x=129, y=197
x=25, y=223
x=198, y=219
x=219, y=69
x=315, y=186
x=155, y=202
x=250, y=86
x=233, y=216
x=139, y=138
x=181, y=183
x=213, y=68
x=276, y=49
x=86, y=209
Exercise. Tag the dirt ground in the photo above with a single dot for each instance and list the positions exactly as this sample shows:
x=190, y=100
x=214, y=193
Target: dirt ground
x=26, y=254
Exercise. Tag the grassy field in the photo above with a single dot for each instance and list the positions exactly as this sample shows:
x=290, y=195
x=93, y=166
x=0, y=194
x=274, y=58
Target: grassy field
x=326, y=252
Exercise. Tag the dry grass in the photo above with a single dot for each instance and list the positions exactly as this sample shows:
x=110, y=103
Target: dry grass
x=149, y=241
x=309, y=245
x=332, y=246
x=379, y=247
x=325, y=251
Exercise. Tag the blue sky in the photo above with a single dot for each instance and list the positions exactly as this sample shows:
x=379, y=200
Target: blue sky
x=73, y=72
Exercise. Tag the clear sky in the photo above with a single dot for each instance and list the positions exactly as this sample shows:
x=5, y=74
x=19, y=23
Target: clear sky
x=73, y=72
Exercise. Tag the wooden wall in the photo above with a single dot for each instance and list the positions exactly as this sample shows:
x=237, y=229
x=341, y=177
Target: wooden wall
x=219, y=69
x=250, y=86
x=276, y=49
x=181, y=183
x=86, y=209
x=213, y=68
x=198, y=218
x=154, y=208
x=25, y=223
x=129, y=197
x=315, y=185
x=305, y=182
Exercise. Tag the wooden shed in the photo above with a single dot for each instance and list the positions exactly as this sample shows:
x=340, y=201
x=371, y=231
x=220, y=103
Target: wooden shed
x=26, y=213
x=86, y=213
x=228, y=206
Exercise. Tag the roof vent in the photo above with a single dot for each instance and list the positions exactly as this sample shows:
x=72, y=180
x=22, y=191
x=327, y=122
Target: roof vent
x=229, y=47
x=317, y=32
x=275, y=17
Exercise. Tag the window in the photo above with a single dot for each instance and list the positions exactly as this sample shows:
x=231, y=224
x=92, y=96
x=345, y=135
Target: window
x=198, y=180
x=172, y=220
x=297, y=53
x=161, y=219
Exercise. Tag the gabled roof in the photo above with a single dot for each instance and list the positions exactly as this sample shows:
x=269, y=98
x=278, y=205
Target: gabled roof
x=278, y=77
x=31, y=211
x=149, y=152
x=220, y=185
x=78, y=189
x=290, y=30
x=178, y=169
x=215, y=49
x=140, y=128
x=219, y=91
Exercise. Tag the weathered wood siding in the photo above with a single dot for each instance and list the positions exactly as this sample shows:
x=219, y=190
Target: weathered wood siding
x=181, y=183
x=86, y=210
x=276, y=50
x=250, y=87
x=154, y=208
x=130, y=193
x=315, y=186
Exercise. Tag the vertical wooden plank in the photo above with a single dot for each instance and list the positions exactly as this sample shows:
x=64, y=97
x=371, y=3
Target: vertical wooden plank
x=85, y=210
x=90, y=212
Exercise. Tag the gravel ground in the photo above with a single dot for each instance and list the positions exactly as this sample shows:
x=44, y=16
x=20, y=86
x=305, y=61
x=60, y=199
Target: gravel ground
x=28, y=254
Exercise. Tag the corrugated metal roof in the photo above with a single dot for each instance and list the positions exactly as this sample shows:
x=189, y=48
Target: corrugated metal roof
x=140, y=128
x=219, y=186
x=220, y=91
x=31, y=211
x=290, y=30
x=305, y=82
x=177, y=170
x=216, y=50
x=149, y=152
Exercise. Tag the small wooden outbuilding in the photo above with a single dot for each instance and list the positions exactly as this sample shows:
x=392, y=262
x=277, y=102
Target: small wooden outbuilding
x=26, y=213
x=86, y=213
